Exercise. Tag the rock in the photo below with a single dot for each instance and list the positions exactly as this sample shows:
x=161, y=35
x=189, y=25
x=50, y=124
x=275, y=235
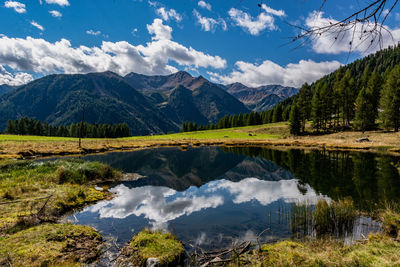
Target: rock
x=364, y=139
x=152, y=262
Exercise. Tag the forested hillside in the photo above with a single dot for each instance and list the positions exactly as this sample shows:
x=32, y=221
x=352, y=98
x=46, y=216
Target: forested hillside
x=363, y=95
x=359, y=95
x=105, y=97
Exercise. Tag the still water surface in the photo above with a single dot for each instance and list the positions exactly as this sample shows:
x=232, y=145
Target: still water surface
x=212, y=196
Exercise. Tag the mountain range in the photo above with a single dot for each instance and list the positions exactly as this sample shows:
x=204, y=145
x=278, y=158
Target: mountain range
x=260, y=98
x=148, y=104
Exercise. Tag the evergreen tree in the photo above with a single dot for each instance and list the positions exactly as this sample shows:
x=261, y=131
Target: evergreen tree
x=374, y=87
x=317, y=109
x=326, y=105
x=10, y=128
x=295, y=120
x=347, y=93
x=277, y=117
x=304, y=104
x=365, y=115
x=390, y=100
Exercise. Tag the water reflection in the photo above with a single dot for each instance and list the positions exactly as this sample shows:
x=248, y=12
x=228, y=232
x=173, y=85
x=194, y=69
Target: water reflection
x=216, y=212
x=369, y=179
x=209, y=196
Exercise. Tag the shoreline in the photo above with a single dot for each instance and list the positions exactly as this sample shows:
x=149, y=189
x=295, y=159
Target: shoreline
x=45, y=148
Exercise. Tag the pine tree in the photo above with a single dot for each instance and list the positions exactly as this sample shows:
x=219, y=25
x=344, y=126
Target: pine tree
x=347, y=93
x=364, y=118
x=374, y=87
x=277, y=117
x=326, y=105
x=304, y=104
x=11, y=128
x=390, y=100
x=295, y=120
x=317, y=107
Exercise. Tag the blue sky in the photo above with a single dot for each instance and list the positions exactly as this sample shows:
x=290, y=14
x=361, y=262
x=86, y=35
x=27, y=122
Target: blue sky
x=225, y=41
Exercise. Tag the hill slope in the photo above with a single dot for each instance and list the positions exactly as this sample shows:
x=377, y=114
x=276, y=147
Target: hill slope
x=260, y=98
x=187, y=98
x=106, y=96
x=5, y=89
x=342, y=87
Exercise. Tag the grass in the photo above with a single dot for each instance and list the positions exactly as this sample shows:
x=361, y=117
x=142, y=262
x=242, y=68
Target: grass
x=326, y=219
x=382, y=249
x=33, y=193
x=154, y=244
x=378, y=250
x=272, y=134
x=26, y=138
x=51, y=245
x=25, y=186
x=266, y=131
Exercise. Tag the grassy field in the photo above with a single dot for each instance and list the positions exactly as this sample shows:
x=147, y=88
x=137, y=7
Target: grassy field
x=26, y=186
x=273, y=134
x=33, y=195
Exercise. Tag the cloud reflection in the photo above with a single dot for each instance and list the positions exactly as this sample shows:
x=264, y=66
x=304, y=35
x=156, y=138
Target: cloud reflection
x=265, y=192
x=152, y=203
x=161, y=204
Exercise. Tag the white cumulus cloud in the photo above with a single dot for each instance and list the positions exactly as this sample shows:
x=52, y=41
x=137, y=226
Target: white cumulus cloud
x=37, y=25
x=58, y=2
x=166, y=14
x=40, y=56
x=160, y=31
x=204, y=4
x=17, y=6
x=253, y=25
x=18, y=78
x=265, y=20
x=55, y=13
x=293, y=74
x=279, y=13
x=334, y=42
x=209, y=24
x=92, y=32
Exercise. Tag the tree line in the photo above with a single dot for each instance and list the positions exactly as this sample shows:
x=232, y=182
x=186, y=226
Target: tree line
x=344, y=104
x=362, y=95
x=280, y=113
x=29, y=126
x=368, y=178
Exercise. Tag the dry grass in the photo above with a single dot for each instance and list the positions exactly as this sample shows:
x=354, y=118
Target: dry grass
x=378, y=250
x=275, y=134
x=51, y=245
x=63, y=185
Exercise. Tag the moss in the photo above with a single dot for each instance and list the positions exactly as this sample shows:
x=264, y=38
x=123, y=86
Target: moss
x=391, y=223
x=379, y=250
x=29, y=184
x=153, y=244
x=51, y=245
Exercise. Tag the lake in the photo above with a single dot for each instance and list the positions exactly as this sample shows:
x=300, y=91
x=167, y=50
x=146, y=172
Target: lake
x=211, y=196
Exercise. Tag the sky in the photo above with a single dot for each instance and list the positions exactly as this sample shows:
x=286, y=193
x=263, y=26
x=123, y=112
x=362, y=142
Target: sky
x=224, y=41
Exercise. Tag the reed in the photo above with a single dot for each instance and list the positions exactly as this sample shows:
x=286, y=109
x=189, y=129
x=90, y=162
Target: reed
x=325, y=218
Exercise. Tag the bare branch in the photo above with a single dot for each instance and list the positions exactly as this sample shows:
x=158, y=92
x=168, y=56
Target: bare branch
x=364, y=25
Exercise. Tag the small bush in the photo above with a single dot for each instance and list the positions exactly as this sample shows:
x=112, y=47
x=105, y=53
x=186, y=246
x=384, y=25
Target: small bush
x=8, y=195
x=83, y=172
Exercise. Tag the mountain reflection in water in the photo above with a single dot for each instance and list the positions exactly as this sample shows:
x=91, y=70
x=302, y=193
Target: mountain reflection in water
x=209, y=196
